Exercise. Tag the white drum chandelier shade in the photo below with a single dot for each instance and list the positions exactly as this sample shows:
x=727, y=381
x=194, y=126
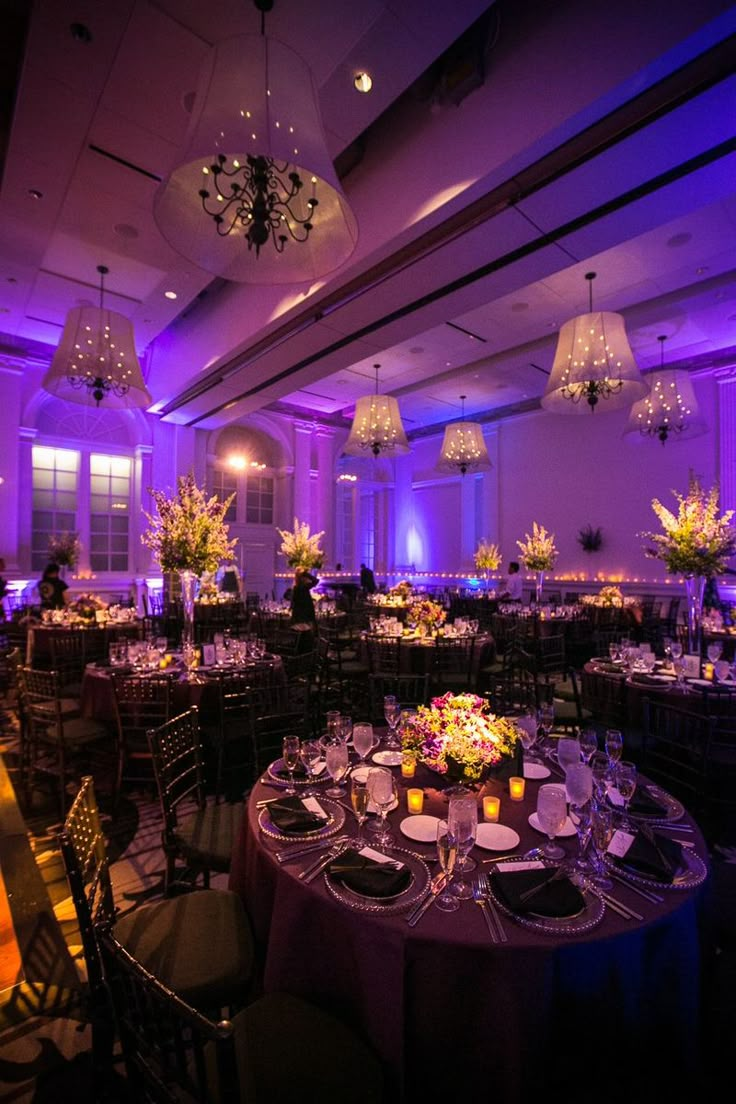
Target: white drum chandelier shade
x=669, y=410
x=96, y=360
x=464, y=447
x=256, y=145
x=594, y=366
x=377, y=426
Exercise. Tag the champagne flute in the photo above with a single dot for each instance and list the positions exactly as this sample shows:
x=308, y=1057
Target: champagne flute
x=363, y=739
x=336, y=754
x=552, y=814
x=310, y=754
x=601, y=768
x=588, y=744
x=346, y=726
x=447, y=855
x=614, y=744
x=382, y=792
x=626, y=786
x=359, y=801
x=602, y=833
x=392, y=713
x=584, y=829
x=290, y=754
x=462, y=817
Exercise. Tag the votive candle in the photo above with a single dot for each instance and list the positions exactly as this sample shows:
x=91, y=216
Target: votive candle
x=415, y=800
x=491, y=808
x=708, y=671
x=408, y=766
x=516, y=789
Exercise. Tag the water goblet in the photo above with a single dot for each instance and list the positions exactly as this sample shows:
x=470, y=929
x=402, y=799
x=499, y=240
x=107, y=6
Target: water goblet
x=722, y=669
x=626, y=786
x=552, y=814
x=363, y=739
x=578, y=784
x=588, y=743
x=462, y=816
x=359, y=801
x=568, y=752
x=382, y=792
x=310, y=754
x=447, y=855
x=614, y=744
x=336, y=754
x=290, y=755
x=679, y=667
x=602, y=832
x=715, y=651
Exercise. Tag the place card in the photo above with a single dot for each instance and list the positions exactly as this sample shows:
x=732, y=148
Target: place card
x=208, y=655
x=313, y=805
x=318, y=767
x=615, y=797
x=376, y=856
x=511, y=868
x=620, y=843
x=691, y=666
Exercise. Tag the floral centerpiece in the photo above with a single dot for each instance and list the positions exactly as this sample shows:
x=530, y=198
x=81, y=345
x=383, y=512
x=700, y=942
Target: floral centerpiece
x=65, y=549
x=458, y=737
x=87, y=606
x=696, y=542
x=487, y=558
x=609, y=597
x=426, y=614
x=538, y=553
x=301, y=549
x=189, y=534
x=402, y=589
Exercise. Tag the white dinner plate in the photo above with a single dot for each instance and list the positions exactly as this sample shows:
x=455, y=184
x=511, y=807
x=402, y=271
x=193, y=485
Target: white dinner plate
x=387, y=758
x=420, y=827
x=701, y=682
x=496, y=837
x=568, y=828
x=536, y=770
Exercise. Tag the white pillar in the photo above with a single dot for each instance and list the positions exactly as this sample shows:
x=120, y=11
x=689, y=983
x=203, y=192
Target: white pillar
x=26, y=437
x=302, y=469
x=325, y=505
x=11, y=373
x=140, y=558
x=403, y=511
x=467, y=523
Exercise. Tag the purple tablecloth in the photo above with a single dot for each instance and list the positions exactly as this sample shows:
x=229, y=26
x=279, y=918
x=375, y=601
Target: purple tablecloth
x=445, y=1008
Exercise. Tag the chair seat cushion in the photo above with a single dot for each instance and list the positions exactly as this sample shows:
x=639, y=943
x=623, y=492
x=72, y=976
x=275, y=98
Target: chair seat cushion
x=70, y=707
x=200, y=945
x=206, y=837
x=341, y=1066
x=79, y=730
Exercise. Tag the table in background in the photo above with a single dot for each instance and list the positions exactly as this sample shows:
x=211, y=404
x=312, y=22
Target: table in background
x=451, y=1014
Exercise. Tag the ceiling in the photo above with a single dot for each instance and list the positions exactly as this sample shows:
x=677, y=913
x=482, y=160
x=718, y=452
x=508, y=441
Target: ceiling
x=555, y=139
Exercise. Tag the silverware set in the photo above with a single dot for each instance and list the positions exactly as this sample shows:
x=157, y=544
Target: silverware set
x=435, y=887
x=482, y=897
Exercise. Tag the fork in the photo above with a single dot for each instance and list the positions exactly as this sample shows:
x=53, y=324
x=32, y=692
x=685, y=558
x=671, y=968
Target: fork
x=494, y=911
x=554, y=877
x=480, y=899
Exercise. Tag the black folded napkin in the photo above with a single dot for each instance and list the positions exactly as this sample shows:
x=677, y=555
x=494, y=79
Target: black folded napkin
x=557, y=900
x=609, y=668
x=289, y=815
x=660, y=860
x=368, y=877
x=643, y=803
x=641, y=678
x=281, y=771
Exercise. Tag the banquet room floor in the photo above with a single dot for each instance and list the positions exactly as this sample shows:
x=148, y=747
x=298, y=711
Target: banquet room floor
x=44, y=1043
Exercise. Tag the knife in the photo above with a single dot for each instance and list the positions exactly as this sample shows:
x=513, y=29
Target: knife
x=311, y=872
x=653, y=897
x=436, y=888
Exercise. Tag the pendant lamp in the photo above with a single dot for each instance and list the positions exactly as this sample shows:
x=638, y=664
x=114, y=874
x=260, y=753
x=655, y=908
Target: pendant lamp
x=377, y=426
x=669, y=410
x=463, y=448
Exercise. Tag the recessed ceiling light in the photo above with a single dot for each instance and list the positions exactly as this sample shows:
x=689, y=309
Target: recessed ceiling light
x=363, y=82
x=80, y=33
x=11, y=279
x=701, y=270
x=35, y=194
x=170, y=294
x=417, y=349
x=679, y=239
x=516, y=307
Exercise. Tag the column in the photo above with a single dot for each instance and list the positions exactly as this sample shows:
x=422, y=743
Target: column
x=140, y=558
x=11, y=373
x=403, y=512
x=26, y=437
x=325, y=504
x=726, y=380
x=467, y=523
x=302, y=468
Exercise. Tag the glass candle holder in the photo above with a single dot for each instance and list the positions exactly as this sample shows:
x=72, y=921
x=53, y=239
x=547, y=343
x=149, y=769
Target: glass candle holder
x=516, y=789
x=491, y=809
x=415, y=800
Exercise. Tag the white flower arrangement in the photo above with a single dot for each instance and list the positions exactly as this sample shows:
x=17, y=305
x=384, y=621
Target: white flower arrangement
x=300, y=548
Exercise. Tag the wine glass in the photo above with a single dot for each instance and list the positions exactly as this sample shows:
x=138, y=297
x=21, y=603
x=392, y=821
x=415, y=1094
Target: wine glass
x=528, y=728
x=332, y=718
x=363, y=739
x=588, y=743
x=161, y=645
x=290, y=754
x=462, y=816
x=584, y=829
x=715, y=650
x=578, y=787
x=310, y=754
x=626, y=786
x=614, y=744
x=602, y=832
x=359, y=801
x=336, y=754
x=552, y=814
x=392, y=713
x=568, y=752
x=382, y=792
x=346, y=726
x=675, y=650
x=447, y=855
x=667, y=648
x=601, y=769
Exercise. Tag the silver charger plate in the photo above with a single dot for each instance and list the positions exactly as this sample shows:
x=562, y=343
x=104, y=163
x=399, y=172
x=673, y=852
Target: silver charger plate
x=386, y=906
x=675, y=810
x=692, y=873
x=273, y=769
x=584, y=921
x=336, y=820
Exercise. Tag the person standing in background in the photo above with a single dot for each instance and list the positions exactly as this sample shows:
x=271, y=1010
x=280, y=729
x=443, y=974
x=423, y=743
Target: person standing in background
x=367, y=579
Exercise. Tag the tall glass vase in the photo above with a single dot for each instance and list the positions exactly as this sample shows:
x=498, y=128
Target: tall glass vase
x=694, y=591
x=539, y=587
x=188, y=583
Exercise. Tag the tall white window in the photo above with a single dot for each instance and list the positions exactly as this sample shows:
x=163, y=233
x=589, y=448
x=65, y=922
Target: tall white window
x=259, y=500
x=55, y=493
x=225, y=483
x=109, y=512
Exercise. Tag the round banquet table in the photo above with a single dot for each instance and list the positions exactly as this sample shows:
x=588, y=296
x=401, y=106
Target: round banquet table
x=445, y=1009
x=632, y=689
x=417, y=655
